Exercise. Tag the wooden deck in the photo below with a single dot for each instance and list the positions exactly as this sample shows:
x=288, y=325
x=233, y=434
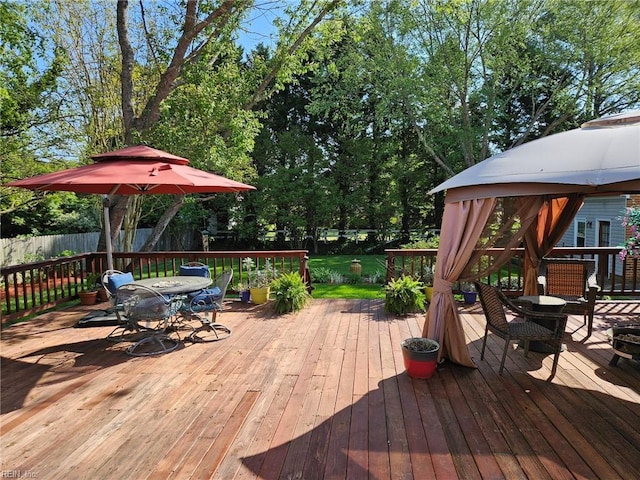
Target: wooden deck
x=319, y=394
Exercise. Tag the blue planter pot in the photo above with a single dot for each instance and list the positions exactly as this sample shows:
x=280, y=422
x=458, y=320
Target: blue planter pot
x=469, y=297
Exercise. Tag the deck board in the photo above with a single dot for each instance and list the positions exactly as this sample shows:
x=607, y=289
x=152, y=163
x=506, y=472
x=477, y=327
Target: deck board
x=320, y=394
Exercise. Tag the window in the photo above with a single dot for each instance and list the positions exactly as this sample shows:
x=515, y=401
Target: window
x=581, y=229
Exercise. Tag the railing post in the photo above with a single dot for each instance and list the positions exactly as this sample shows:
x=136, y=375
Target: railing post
x=305, y=274
x=391, y=266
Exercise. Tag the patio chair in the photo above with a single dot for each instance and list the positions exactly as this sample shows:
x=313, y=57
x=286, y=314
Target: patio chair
x=207, y=301
x=197, y=269
x=111, y=280
x=148, y=313
x=573, y=280
x=522, y=327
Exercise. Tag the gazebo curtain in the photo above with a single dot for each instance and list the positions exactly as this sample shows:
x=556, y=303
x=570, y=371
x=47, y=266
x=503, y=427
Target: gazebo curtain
x=554, y=218
x=469, y=228
x=462, y=225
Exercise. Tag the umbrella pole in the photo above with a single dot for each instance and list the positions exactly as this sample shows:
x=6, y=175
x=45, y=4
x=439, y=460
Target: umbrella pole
x=107, y=231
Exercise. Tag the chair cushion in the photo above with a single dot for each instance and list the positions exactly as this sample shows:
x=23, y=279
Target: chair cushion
x=194, y=271
x=119, y=279
x=208, y=296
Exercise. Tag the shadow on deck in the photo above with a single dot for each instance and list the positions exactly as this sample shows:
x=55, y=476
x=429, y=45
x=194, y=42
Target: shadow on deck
x=318, y=394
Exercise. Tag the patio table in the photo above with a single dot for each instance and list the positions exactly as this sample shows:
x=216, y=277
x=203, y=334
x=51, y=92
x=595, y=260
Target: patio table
x=176, y=285
x=544, y=303
x=173, y=290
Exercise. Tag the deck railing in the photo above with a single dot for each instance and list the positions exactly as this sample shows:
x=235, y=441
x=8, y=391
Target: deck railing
x=33, y=287
x=619, y=278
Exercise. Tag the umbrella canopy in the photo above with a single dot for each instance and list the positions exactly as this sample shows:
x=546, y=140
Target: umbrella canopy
x=603, y=156
x=132, y=171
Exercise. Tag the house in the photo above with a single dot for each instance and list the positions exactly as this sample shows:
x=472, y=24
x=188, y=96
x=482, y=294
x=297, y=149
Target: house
x=599, y=223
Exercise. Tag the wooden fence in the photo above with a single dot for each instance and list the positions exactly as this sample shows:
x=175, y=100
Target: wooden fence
x=30, y=249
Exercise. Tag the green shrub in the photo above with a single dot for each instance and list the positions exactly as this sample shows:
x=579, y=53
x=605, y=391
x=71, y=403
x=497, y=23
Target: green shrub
x=509, y=283
x=290, y=293
x=321, y=275
x=404, y=295
x=353, y=278
x=336, y=277
x=376, y=277
x=431, y=242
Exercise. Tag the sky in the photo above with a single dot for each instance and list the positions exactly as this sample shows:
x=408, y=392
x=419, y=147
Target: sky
x=258, y=28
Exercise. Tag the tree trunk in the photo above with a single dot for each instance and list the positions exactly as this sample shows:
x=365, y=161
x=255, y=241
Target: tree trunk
x=161, y=226
x=118, y=208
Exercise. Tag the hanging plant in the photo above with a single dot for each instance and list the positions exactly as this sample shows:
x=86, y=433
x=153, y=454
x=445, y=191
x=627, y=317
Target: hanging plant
x=631, y=247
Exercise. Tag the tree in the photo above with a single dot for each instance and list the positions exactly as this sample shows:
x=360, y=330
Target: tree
x=204, y=28
x=30, y=140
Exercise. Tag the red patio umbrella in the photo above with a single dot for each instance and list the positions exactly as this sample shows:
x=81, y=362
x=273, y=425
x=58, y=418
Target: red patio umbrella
x=136, y=170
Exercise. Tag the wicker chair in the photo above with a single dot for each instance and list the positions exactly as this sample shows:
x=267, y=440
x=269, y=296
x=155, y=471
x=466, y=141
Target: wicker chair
x=522, y=328
x=573, y=280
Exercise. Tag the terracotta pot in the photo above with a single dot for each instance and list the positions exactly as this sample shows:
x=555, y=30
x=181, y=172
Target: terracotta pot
x=102, y=295
x=355, y=267
x=88, y=298
x=420, y=364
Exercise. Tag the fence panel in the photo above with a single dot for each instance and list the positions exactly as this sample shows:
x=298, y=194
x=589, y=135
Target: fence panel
x=22, y=250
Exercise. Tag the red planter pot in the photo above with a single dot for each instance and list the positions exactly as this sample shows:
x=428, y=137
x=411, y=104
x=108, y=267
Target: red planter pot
x=420, y=364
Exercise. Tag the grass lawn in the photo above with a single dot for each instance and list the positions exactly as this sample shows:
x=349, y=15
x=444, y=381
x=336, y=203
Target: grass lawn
x=346, y=290
x=341, y=263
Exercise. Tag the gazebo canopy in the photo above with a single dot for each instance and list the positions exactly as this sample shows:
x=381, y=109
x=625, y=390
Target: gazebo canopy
x=546, y=181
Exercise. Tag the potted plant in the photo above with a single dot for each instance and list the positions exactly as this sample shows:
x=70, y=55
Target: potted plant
x=420, y=356
x=244, y=292
x=103, y=295
x=290, y=293
x=469, y=293
x=259, y=279
x=404, y=295
x=89, y=293
x=427, y=280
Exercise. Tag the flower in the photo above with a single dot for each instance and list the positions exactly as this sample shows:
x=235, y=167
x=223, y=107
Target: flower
x=631, y=246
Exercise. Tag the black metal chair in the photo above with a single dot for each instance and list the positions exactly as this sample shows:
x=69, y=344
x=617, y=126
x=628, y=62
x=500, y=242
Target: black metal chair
x=573, y=280
x=522, y=327
x=208, y=301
